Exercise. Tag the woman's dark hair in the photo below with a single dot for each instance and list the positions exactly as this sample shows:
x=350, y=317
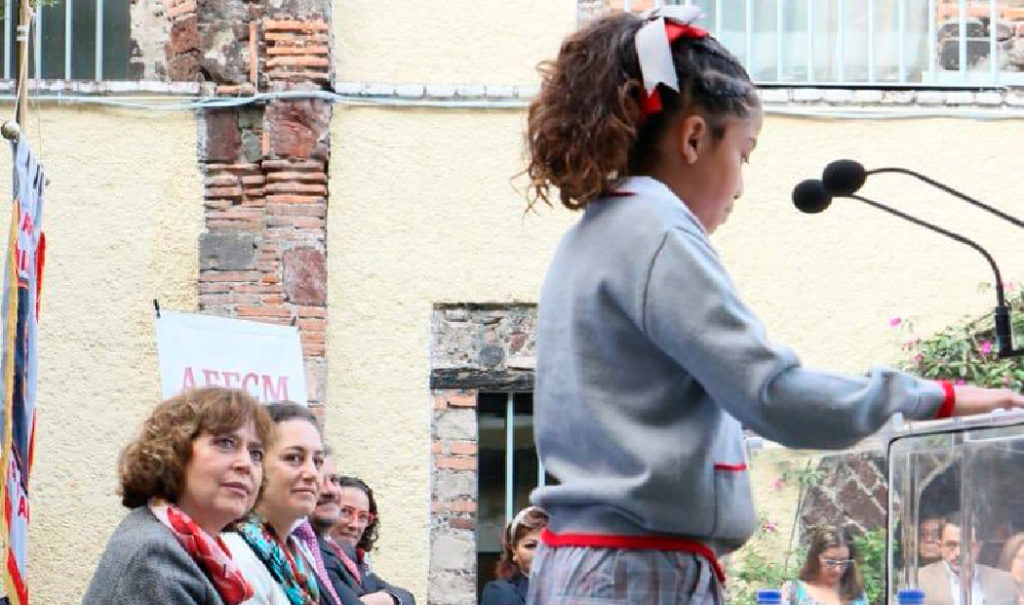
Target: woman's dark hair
x=153, y=465
x=528, y=520
x=851, y=584
x=289, y=410
x=586, y=129
x=371, y=533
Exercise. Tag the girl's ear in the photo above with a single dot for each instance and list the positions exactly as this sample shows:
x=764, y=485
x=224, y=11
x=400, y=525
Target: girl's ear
x=692, y=131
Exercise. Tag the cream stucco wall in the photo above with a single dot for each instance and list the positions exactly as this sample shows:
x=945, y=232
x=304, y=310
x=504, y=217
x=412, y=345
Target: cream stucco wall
x=122, y=219
x=455, y=42
x=828, y=284
x=422, y=212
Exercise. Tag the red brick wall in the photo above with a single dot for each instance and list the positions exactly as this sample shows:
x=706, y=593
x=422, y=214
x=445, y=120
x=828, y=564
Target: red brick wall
x=263, y=256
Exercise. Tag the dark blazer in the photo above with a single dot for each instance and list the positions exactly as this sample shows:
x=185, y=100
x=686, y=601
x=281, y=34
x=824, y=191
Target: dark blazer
x=342, y=578
x=506, y=592
x=144, y=564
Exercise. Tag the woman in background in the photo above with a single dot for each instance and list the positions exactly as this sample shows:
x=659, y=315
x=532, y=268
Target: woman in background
x=829, y=575
x=1012, y=560
x=518, y=542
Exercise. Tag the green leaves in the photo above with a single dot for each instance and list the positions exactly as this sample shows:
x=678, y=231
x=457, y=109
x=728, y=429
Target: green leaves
x=871, y=552
x=965, y=350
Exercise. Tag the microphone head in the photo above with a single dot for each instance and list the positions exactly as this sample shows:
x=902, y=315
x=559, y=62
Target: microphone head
x=810, y=197
x=843, y=177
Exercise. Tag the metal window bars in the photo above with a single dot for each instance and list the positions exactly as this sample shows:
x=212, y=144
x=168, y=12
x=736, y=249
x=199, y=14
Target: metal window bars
x=510, y=450
x=57, y=57
x=912, y=43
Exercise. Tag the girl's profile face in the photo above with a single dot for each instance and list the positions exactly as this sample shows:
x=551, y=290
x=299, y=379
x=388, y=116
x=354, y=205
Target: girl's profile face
x=715, y=175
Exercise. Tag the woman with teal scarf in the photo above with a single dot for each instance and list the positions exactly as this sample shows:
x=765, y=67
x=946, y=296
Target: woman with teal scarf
x=276, y=564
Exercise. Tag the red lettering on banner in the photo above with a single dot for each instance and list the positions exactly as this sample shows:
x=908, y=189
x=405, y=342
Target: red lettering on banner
x=272, y=394
x=262, y=386
x=255, y=391
x=26, y=223
x=211, y=377
x=23, y=508
x=231, y=379
x=189, y=382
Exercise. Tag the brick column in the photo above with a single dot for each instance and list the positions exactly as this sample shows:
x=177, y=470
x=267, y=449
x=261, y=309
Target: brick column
x=263, y=256
x=453, y=497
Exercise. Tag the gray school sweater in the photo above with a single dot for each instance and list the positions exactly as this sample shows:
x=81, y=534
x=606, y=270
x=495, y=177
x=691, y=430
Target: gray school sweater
x=647, y=363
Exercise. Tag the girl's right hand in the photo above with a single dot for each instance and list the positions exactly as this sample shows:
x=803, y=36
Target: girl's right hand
x=977, y=400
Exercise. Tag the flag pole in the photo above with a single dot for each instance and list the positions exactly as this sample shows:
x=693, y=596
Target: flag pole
x=12, y=130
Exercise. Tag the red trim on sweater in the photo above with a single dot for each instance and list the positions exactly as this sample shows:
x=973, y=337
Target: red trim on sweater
x=550, y=538
x=949, y=402
x=721, y=466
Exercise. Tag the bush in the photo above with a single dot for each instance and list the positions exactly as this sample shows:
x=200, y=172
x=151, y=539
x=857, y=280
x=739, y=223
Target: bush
x=965, y=352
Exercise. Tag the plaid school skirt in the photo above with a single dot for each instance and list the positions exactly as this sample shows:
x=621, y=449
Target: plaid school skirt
x=584, y=575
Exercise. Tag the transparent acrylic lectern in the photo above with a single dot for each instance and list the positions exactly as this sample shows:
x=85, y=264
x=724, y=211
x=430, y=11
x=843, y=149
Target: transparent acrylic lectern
x=956, y=509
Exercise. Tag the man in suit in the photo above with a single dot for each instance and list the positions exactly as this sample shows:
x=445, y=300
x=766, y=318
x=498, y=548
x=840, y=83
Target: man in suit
x=941, y=581
x=349, y=579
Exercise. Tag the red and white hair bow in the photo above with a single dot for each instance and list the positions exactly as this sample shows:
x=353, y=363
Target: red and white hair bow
x=664, y=25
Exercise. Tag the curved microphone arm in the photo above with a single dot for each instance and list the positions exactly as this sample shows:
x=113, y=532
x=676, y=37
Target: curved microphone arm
x=1004, y=336
x=951, y=191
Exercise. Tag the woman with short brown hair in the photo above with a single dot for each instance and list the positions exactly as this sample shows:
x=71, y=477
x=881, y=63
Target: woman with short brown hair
x=195, y=467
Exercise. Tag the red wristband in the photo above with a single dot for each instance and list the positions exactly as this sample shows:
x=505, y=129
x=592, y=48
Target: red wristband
x=949, y=401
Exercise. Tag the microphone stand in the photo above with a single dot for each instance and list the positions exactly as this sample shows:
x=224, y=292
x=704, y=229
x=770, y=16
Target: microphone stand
x=1004, y=333
x=949, y=190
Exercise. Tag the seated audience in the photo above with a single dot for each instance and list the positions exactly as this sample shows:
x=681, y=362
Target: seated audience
x=929, y=544
x=941, y=581
x=195, y=467
x=273, y=560
x=325, y=516
x=518, y=542
x=1012, y=560
x=829, y=575
x=352, y=538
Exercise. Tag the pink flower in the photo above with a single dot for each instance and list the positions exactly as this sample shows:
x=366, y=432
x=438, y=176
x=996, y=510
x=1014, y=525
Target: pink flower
x=960, y=381
x=894, y=322
x=778, y=483
x=918, y=358
x=768, y=526
x=986, y=347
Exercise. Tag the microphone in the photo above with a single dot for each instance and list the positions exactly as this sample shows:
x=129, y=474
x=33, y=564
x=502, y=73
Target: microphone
x=812, y=196
x=846, y=177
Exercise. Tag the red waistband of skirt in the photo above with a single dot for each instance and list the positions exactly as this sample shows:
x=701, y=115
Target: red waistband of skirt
x=550, y=538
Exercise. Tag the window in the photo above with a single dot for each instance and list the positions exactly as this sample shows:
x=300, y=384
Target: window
x=72, y=40
x=919, y=43
x=508, y=470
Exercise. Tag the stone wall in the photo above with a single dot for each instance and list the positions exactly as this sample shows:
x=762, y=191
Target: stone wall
x=848, y=490
x=473, y=348
x=263, y=255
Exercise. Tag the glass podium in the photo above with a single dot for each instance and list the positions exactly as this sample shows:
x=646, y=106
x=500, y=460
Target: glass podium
x=956, y=509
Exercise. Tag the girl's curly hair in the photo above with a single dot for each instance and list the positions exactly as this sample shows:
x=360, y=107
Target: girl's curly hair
x=153, y=465
x=586, y=129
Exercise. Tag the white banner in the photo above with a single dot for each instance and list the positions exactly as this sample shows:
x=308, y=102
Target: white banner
x=204, y=350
